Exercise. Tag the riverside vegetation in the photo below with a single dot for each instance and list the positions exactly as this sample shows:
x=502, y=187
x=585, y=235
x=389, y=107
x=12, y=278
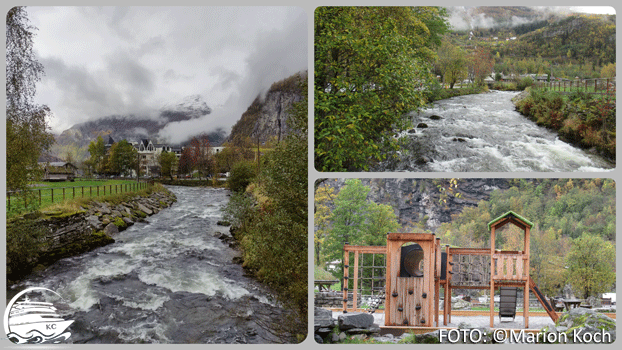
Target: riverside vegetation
x=268, y=214
x=579, y=118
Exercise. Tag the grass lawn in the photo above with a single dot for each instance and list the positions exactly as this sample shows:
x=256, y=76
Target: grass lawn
x=49, y=193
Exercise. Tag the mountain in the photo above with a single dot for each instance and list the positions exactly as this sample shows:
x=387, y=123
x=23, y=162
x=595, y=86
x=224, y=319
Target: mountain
x=580, y=37
x=418, y=201
x=76, y=139
x=267, y=116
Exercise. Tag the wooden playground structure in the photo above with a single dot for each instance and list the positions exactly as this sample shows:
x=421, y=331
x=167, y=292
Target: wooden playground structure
x=417, y=268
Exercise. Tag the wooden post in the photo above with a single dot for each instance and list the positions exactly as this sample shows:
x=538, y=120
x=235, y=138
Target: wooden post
x=52, y=190
x=492, y=280
x=39, y=197
x=526, y=290
x=356, y=280
x=63, y=193
x=74, y=192
x=346, y=263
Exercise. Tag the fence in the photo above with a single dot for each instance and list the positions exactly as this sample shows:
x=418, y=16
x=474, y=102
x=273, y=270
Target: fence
x=601, y=86
x=62, y=193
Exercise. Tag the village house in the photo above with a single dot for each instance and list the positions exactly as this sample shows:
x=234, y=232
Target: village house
x=58, y=171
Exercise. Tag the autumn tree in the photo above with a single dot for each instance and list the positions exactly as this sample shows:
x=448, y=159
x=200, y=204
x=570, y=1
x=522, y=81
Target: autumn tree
x=608, y=71
x=481, y=65
x=200, y=155
x=97, y=150
x=168, y=163
x=26, y=122
x=452, y=62
x=324, y=197
x=591, y=266
x=186, y=163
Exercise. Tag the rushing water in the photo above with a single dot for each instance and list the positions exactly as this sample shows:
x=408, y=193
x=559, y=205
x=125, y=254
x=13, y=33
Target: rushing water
x=167, y=280
x=484, y=133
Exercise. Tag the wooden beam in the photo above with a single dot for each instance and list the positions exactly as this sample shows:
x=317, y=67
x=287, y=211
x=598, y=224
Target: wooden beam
x=365, y=249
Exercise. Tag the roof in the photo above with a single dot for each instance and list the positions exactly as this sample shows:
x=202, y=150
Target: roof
x=58, y=170
x=510, y=216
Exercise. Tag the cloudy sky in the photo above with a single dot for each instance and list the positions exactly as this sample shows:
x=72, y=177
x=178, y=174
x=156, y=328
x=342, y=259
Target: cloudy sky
x=102, y=61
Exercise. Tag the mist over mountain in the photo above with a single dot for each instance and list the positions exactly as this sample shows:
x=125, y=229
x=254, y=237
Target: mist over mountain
x=484, y=17
x=76, y=139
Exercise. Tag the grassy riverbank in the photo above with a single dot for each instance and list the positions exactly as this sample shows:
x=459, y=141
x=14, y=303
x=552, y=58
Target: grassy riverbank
x=578, y=118
x=46, y=194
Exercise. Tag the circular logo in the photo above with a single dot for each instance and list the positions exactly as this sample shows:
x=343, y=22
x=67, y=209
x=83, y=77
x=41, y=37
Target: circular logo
x=30, y=321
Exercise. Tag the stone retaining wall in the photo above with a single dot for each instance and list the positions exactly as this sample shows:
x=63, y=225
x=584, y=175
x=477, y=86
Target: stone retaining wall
x=333, y=299
x=91, y=227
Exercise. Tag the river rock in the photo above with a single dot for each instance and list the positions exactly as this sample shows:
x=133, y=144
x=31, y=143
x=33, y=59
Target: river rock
x=144, y=209
x=128, y=221
x=422, y=125
x=94, y=222
x=435, y=117
x=355, y=320
x=111, y=229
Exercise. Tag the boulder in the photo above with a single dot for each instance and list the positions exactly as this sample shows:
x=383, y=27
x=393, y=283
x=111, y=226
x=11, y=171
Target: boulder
x=422, y=125
x=128, y=221
x=355, y=320
x=581, y=321
x=459, y=304
x=94, y=222
x=144, y=209
x=323, y=318
x=111, y=229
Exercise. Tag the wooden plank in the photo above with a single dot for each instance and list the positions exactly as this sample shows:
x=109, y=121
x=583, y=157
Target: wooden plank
x=365, y=249
x=519, y=267
x=471, y=251
x=410, y=237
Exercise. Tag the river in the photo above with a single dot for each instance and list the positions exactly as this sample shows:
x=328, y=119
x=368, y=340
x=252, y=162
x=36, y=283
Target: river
x=166, y=280
x=484, y=133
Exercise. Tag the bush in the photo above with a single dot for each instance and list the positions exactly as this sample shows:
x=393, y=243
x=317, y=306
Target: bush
x=241, y=176
x=24, y=239
x=524, y=83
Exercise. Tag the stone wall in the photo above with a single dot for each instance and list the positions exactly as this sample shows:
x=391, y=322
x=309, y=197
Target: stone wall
x=70, y=234
x=333, y=299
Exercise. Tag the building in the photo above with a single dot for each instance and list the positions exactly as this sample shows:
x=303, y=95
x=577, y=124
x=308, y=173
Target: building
x=58, y=171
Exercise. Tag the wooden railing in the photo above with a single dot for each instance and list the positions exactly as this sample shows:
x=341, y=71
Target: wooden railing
x=509, y=266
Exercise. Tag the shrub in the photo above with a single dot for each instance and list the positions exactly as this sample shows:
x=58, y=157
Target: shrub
x=524, y=83
x=241, y=176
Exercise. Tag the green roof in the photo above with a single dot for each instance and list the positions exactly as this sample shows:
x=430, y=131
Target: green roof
x=510, y=214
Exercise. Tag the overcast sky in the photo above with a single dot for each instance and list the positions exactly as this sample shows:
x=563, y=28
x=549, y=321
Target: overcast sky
x=102, y=61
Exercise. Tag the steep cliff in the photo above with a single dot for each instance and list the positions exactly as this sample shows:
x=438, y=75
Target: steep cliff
x=419, y=200
x=267, y=117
